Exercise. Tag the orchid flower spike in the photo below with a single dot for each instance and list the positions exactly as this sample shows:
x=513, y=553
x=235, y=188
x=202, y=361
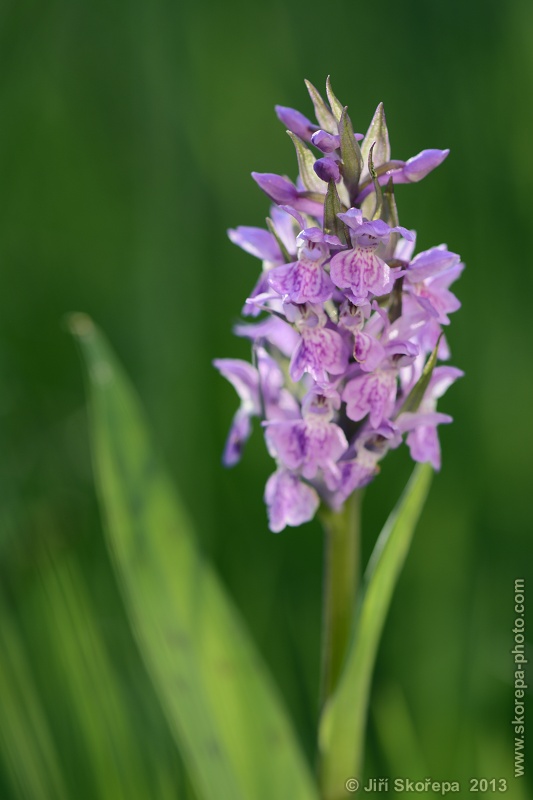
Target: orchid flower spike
x=345, y=353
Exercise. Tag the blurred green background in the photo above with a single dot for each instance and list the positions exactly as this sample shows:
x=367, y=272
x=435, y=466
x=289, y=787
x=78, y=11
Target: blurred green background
x=128, y=133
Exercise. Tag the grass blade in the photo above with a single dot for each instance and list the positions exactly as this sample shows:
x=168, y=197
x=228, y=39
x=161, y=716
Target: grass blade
x=26, y=745
x=223, y=710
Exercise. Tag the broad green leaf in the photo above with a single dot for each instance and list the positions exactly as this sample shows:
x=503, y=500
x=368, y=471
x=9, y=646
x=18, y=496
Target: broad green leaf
x=26, y=745
x=377, y=135
x=342, y=727
x=90, y=685
x=336, y=105
x=306, y=159
x=324, y=117
x=352, y=159
x=223, y=709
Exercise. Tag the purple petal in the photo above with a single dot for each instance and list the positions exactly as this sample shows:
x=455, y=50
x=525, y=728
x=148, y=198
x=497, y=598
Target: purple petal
x=402, y=351
x=353, y=218
x=295, y=215
x=426, y=304
x=279, y=189
x=327, y=170
x=285, y=193
x=306, y=444
x=374, y=393
x=274, y=330
x=353, y=475
x=322, y=401
x=325, y=444
x=284, y=226
x=423, y=443
x=279, y=403
x=410, y=171
x=326, y=142
x=353, y=317
x=439, y=301
x=289, y=501
x=441, y=380
x=318, y=236
x=429, y=335
x=405, y=247
x=302, y=282
x=378, y=228
x=286, y=441
x=409, y=421
x=431, y=262
x=445, y=279
x=239, y=434
x=368, y=351
x=296, y=122
x=256, y=241
x=319, y=351
x=261, y=287
x=313, y=234
x=360, y=270
x=421, y=165
x=243, y=377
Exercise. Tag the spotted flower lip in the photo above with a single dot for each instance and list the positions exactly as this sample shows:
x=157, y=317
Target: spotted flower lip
x=349, y=319
x=304, y=281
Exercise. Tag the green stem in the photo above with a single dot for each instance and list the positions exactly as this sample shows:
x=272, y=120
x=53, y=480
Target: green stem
x=341, y=579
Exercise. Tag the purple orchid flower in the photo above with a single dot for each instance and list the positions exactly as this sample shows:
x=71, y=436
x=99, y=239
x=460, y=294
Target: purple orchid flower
x=245, y=380
x=311, y=443
x=257, y=388
x=306, y=281
x=373, y=393
x=361, y=270
x=433, y=295
x=421, y=426
x=321, y=350
x=289, y=500
x=264, y=245
x=351, y=318
x=354, y=474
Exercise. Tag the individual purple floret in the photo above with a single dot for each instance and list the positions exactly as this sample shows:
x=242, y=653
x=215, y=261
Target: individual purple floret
x=350, y=320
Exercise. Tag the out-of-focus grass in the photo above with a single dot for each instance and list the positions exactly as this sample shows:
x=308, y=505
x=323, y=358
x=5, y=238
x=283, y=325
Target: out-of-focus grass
x=128, y=133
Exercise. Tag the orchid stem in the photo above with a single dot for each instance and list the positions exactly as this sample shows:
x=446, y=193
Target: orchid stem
x=342, y=530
